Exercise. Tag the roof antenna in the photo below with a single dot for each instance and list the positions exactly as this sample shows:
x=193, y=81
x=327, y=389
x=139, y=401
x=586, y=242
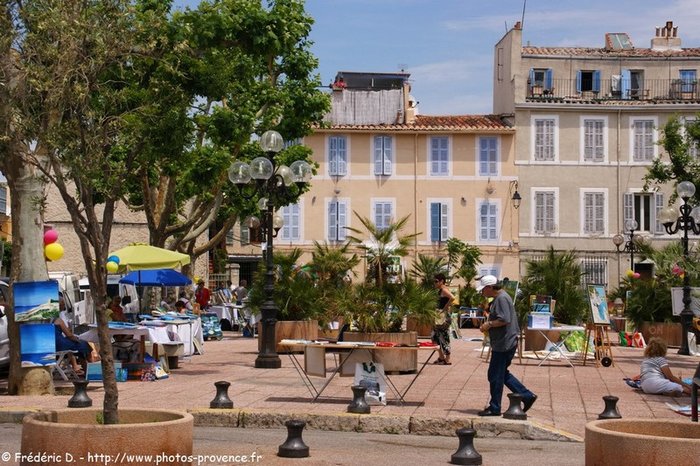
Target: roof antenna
x=522, y=20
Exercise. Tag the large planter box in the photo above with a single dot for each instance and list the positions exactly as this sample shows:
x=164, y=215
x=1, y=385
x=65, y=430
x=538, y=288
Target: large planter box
x=422, y=330
x=291, y=330
x=535, y=341
x=393, y=361
x=670, y=332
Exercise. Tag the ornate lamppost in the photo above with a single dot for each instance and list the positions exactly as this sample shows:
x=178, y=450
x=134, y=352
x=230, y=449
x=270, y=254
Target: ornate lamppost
x=689, y=220
x=269, y=181
x=631, y=245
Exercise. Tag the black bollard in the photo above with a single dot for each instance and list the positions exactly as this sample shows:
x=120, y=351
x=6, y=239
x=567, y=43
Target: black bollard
x=358, y=404
x=221, y=400
x=515, y=410
x=611, y=411
x=80, y=398
x=294, y=446
x=466, y=453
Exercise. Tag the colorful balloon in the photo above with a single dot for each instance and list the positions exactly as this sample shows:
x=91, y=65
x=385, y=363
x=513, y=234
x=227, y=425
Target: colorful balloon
x=112, y=266
x=50, y=236
x=636, y=275
x=114, y=259
x=53, y=251
x=630, y=273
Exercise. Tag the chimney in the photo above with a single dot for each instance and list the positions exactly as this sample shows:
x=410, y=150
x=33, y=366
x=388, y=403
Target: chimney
x=666, y=38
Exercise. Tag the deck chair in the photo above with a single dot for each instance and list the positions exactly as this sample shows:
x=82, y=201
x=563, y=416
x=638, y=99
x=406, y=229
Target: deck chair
x=63, y=368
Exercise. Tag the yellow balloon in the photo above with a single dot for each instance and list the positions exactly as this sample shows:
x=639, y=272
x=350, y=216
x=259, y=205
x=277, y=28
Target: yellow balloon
x=53, y=251
x=112, y=267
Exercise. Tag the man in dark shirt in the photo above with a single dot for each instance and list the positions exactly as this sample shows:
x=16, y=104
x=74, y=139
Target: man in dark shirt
x=503, y=329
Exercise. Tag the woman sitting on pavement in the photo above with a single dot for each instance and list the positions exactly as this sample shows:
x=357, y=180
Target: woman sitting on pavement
x=656, y=377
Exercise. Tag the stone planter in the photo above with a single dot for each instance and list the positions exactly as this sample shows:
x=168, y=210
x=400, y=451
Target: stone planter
x=670, y=332
x=292, y=330
x=398, y=361
x=642, y=442
x=422, y=330
x=76, y=432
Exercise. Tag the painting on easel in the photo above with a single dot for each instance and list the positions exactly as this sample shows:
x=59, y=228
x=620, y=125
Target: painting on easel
x=599, y=304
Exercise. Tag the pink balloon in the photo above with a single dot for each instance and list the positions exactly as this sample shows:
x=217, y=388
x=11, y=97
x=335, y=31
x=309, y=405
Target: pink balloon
x=50, y=236
x=636, y=275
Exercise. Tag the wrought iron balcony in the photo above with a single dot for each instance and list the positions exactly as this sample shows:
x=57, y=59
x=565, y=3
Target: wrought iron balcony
x=605, y=90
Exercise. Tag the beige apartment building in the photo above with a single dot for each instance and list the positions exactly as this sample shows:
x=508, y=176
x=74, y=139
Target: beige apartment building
x=453, y=176
x=587, y=123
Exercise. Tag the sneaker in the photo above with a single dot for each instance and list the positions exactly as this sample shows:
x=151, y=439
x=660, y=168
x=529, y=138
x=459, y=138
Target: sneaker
x=488, y=412
x=527, y=404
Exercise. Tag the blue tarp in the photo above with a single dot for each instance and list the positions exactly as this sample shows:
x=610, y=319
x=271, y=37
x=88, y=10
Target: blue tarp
x=156, y=277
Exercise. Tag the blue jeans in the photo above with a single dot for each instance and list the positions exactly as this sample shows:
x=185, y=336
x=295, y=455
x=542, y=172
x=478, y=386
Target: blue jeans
x=499, y=375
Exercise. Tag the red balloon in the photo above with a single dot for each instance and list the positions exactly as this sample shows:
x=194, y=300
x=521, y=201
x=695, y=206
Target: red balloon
x=50, y=236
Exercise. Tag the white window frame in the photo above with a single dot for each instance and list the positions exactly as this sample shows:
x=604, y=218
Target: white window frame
x=493, y=167
x=290, y=231
x=341, y=230
x=584, y=120
x=448, y=162
x=533, y=211
x=533, y=138
x=244, y=231
x=381, y=156
x=693, y=150
x=383, y=201
x=341, y=169
x=491, y=269
x=654, y=139
x=445, y=229
x=656, y=203
x=604, y=220
x=497, y=217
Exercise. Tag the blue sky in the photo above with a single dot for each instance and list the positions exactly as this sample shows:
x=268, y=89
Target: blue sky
x=447, y=45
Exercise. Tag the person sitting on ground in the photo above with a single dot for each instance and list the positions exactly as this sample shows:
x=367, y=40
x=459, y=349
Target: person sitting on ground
x=656, y=377
x=116, y=308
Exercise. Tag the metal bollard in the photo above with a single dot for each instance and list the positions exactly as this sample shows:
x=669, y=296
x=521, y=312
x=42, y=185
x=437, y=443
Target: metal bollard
x=358, y=404
x=80, y=398
x=515, y=410
x=466, y=453
x=610, y=411
x=221, y=400
x=294, y=446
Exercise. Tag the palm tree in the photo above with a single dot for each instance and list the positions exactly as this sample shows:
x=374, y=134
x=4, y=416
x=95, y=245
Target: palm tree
x=426, y=267
x=331, y=264
x=381, y=244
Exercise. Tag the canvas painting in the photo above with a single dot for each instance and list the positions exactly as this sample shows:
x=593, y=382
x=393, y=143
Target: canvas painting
x=599, y=304
x=35, y=301
x=37, y=344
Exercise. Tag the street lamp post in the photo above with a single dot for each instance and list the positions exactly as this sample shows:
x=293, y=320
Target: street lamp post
x=689, y=220
x=631, y=245
x=269, y=181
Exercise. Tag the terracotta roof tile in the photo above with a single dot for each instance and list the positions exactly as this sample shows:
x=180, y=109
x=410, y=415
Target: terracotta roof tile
x=468, y=123
x=601, y=52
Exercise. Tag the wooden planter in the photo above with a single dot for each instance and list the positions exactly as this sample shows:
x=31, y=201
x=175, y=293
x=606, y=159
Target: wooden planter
x=148, y=432
x=670, y=332
x=291, y=330
x=397, y=361
x=422, y=330
x=535, y=341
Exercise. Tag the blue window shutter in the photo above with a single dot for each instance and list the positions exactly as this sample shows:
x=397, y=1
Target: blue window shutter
x=532, y=77
x=626, y=84
x=333, y=221
x=434, y=221
x=596, y=81
x=548, y=78
x=378, y=155
x=578, y=81
x=342, y=221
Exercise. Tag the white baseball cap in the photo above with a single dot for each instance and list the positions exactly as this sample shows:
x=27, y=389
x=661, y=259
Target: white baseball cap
x=485, y=281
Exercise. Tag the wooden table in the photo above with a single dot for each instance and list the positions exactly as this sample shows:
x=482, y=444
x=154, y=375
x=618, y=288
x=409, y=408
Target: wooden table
x=315, y=363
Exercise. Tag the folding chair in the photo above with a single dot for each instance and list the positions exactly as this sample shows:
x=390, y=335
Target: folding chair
x=63, y=367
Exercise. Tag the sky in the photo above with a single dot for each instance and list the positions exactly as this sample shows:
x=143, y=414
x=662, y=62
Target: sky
x=447, y=45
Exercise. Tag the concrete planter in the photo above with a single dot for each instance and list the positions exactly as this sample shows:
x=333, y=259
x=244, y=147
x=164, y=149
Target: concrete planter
x=422, y=330
x=670, y=332
x=642, y=442
x=76, y=432
x=291, y=330
x=397, y=361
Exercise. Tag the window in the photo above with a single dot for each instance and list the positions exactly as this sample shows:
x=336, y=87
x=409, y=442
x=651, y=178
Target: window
x=382, y=214
x=337, y=220
x=488, y=156
x=594, y=139
x=594, y=270
x=337, y=156
x=689, y=122
x=544, y=212
x=594, y=213
x=688, y=80
x=382, y=155
x=229, y=237
x=544, y=139
x=540, y=80
x=644, y=208
x=3, y=199
x=643, y=140
x=292, y=221
x=488, y=270
x=439, y=156
x=588, y=81
x=488, y=221
x=245, y=234
x=439, y=226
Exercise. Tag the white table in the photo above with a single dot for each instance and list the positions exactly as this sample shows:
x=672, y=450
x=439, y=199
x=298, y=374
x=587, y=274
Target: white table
x=557, y=347
x=138, y=333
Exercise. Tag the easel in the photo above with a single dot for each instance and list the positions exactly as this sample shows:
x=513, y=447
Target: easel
x=601, y=342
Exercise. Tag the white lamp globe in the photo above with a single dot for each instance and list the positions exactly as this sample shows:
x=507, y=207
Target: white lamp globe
x=271, y=141
x=685, y=189
x=277, y=221
x=286, y=174
x=301, y=171
x=239, y=173
x=631, y=224
x=261, y=168
x=668, y=215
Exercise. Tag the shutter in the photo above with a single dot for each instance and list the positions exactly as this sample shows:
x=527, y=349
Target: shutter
x=588, y=147
x=625, y=84
x=532, y=77
x=333, y=155
x=627, y=207
x=387, y=155
x=548, y=79
x=483, y=221
x=443, y=222
x=578, y=81
x=342, y=157
x=294, y=223
x=434, y=221
x=588, y=209
x=378, y=156
x=599, y=213
x=549, y=212
x=333, y=221
x=493, y=215
x=658, y=204
x=539, y=212
x=596, y=81
x=599, y=143
x=342, y=221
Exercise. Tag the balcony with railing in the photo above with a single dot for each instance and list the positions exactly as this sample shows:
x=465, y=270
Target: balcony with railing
x=611, y=90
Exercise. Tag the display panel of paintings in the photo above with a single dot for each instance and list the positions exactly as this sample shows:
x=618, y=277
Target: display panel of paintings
x=36, y=306
x=598, y=304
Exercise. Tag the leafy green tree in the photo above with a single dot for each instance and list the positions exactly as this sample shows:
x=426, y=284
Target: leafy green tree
x=425, y=268
x=466, y=259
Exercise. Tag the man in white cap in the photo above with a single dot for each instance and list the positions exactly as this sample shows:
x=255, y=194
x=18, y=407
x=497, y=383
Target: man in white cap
x=503, y=329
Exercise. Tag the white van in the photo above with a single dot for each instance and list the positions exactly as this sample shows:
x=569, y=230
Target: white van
x=68, y=285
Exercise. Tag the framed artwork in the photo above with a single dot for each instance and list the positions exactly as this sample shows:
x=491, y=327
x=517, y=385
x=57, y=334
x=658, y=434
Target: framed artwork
x=35, y=301
x=599, y=304
x=677, y=300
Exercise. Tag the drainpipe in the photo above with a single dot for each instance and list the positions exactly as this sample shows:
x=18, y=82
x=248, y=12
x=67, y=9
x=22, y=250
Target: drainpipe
x=415, y=193
x=619, y=191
